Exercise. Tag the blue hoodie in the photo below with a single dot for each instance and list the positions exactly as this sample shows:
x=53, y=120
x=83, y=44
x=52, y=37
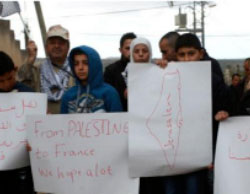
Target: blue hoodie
x=96, y=96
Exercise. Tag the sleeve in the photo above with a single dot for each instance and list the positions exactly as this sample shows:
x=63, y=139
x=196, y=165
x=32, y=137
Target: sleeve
x=112, y=101
x=29, y=75
x=221, y=94
x=108, y=76
x=64, y=105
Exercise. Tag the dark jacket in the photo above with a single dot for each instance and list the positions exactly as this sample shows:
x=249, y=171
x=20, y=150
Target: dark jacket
x=220, y=94
x=20, y=87
x=240, y=99
x=96, y=95
x=113, y=76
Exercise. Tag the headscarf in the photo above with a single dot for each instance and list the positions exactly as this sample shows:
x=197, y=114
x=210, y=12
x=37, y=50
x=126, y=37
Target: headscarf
x=140, y=40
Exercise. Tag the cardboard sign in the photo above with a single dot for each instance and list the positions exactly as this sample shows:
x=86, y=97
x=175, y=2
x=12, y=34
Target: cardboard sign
x=170, y=118
x=81, y=153
x=13, y=134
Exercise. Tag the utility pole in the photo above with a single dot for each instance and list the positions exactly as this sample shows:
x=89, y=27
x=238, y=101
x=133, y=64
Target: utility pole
x=194, y=17
x=198, y=22
x=202, y=24
x=41, y=21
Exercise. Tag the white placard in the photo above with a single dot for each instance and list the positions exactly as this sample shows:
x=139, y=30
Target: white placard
x=232, y=159
x=13, y=137
x=81, y=153
x=170, y=118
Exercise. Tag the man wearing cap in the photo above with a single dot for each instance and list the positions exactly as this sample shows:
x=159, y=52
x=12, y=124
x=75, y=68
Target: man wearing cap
x=53, y=76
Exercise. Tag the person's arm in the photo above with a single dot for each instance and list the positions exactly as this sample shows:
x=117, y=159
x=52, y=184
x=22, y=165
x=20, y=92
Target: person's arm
x=64, y=105
x=26, y=73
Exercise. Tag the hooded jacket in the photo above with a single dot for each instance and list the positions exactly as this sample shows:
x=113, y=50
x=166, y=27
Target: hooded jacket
x=95, y=96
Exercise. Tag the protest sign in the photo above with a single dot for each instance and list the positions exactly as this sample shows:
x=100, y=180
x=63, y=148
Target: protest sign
x=81, y=153
x=232, y=159
x=13, y=134
x=170, y=118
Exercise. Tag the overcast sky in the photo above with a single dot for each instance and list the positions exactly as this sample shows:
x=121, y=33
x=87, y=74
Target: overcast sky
x=100, y=24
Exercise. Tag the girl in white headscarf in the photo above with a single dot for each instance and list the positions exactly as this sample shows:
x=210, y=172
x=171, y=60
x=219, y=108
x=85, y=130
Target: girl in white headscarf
x=140, y=51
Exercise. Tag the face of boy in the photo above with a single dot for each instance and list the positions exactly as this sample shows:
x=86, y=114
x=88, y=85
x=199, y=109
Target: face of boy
x=189, y=54
x=81, y=68
x=7, y=81
x=141, y=53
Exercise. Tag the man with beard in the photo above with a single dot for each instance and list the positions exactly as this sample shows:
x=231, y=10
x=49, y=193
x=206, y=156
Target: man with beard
x=53, y=76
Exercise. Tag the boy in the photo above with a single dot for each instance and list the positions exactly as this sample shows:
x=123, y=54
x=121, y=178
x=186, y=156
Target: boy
x=188, y=48
x=18, y=180
x=8, y=81
x=90, y=94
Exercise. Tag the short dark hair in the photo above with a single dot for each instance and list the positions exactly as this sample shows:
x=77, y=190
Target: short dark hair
x=129, y=35
x=77, y=51
x=235, y=74
x=188, y=40
x=74, y=52
x=247, y=60
x=6, y=63
x=171, y=37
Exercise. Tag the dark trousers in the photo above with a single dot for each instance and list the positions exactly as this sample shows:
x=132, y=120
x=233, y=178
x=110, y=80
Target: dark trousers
x=17, y=181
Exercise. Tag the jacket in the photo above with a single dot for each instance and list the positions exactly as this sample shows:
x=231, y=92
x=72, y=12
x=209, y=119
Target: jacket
x=113, y=76
x=96, y=95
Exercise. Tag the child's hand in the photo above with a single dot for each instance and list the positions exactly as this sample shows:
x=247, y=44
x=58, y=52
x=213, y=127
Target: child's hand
x=32, y=52
x=162, y=63
x=28, y=147
x=210, y=167
x=221, y=115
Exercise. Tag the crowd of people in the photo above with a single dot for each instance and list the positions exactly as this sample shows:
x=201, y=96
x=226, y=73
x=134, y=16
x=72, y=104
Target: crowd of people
x=75, y=83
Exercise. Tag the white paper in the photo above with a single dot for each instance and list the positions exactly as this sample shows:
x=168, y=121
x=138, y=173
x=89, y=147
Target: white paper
x=81, y=153
x=232, y=162
x=170, y=118
x=13, y=135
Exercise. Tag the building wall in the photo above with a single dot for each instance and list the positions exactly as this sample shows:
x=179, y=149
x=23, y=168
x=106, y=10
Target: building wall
x=9, y=45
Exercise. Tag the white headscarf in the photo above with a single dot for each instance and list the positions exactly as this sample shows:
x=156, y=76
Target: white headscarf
x=135, y=42
x=140, y=40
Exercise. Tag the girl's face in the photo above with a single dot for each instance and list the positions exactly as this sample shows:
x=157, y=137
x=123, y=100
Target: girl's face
x=141, y=53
